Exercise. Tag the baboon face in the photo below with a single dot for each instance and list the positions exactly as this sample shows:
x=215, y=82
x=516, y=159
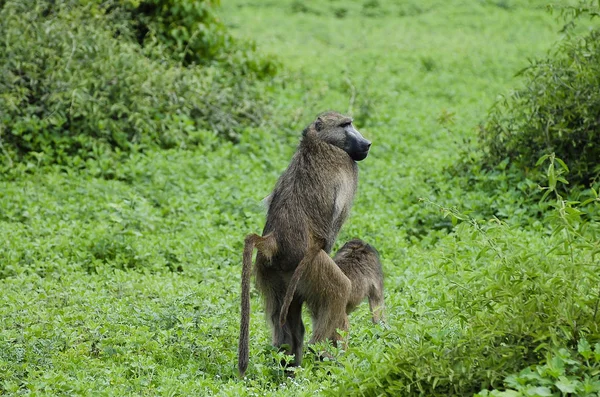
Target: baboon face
x=337, y=130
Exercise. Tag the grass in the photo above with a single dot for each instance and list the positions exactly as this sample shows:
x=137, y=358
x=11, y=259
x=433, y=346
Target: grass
x=131, y=286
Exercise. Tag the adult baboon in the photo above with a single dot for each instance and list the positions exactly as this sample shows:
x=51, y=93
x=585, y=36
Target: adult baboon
x=360, y=263
x=306, y=210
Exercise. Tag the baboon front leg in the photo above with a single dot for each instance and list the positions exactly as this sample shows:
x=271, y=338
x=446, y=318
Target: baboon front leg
x=326, y=290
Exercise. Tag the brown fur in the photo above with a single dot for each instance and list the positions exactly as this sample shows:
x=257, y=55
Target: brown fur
x=306, y=210
x=359, y=261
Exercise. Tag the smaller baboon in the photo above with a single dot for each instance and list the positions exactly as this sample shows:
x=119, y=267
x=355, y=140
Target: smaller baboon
x=360, y=263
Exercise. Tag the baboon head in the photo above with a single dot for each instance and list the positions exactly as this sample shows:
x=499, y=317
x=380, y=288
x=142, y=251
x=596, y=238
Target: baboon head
x=337, y=130
x=356, y=247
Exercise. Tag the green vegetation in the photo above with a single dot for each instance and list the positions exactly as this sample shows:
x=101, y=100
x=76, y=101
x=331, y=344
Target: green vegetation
x=564, y=373
x=558, y=109
x=91, y=81
x=120, y=261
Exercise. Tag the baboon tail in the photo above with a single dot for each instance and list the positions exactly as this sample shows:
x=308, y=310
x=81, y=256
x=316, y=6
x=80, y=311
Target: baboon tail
x=267, y=246
x=243, y=352
x=291, y=289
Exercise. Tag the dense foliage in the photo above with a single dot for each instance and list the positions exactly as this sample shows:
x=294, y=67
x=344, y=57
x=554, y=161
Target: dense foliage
x=129, y=285
x=557, y=109
x=564, y=373
x=83, y=80
x=503, y=301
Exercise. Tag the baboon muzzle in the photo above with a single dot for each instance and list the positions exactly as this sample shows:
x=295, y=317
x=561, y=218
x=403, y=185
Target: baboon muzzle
x=362, y=150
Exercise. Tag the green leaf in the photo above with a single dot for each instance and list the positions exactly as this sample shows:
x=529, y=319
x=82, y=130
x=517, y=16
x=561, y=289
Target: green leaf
x=545, y=195
x=566, y=385
x=597, y=352
x=507, y=393
x=538, y=391
x=584, y=348
x=562, y=164
x=542, y=159
x=551, y=177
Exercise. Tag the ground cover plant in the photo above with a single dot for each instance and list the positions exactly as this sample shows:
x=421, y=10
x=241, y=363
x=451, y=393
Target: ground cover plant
x=129, y=283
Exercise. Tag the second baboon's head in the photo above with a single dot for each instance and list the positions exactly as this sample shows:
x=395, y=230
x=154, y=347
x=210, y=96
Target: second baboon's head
x=337, y=129
x=358, y=247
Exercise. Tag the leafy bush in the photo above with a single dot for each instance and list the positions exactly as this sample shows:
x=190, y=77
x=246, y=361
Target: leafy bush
x=565, y=372
x=191, y=33
x=557, y=110
x=502, y=301
x=187, y=28
x=76, y=85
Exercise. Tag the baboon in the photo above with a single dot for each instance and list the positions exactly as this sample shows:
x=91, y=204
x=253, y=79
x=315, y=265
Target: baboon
x=360, y=263
x=310, y=202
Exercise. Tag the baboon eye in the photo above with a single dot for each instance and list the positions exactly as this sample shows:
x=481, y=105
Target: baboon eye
x=346, y=124
x=319, y=125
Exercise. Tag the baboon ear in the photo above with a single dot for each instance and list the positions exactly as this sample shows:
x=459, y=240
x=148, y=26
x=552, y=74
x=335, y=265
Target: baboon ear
x=319, y=124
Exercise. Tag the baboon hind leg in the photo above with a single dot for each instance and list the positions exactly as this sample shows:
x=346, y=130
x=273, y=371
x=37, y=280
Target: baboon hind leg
x=326, y=290
x=376, y=304
x=291, y=335
x=296, y=328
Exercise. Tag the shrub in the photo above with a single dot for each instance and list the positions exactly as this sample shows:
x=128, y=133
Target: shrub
x=557, y=110
x=504, y=299
x=191, y=33
x=76, y=85
x=188, y=29
x=565, y=371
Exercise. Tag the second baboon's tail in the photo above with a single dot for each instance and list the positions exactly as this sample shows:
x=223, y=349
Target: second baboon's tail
x=310, y=255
